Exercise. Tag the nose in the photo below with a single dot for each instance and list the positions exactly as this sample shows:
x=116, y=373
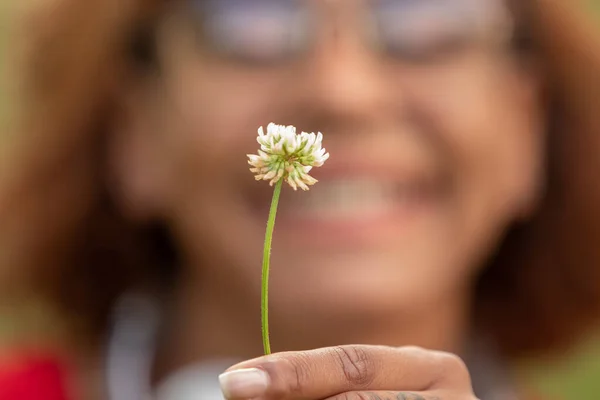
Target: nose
x=342, y=76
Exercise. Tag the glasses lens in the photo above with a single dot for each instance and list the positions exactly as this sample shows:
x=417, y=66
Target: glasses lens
x=254, y=30
x=428, y=30
x=261, y=31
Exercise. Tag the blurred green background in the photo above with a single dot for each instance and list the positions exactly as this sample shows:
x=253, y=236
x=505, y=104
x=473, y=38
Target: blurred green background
x=576, y=377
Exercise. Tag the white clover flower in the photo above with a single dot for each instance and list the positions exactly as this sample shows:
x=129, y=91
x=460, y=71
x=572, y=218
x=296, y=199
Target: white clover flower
x=286, y=155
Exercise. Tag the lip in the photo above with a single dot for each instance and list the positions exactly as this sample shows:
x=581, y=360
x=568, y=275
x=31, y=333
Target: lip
x=346, y=167
x=379, y=227
x=393, y=172
x=375, y=229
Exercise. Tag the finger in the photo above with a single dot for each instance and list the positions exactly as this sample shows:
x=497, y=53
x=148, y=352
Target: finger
x=388, y=395
x=323, y=373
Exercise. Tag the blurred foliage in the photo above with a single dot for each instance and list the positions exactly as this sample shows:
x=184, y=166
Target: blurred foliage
x=576, y=376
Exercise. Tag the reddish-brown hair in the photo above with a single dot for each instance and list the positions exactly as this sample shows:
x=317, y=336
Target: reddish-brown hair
x=542, y=290
x=60, y=235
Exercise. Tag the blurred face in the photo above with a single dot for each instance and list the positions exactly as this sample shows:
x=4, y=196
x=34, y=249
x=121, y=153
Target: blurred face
x=432, y=124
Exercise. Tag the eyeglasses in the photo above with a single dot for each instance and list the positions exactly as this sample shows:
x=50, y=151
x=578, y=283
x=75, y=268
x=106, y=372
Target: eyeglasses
x=418, y=31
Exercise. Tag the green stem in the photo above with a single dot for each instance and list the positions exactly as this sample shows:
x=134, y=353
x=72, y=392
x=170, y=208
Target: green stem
x=264, y=306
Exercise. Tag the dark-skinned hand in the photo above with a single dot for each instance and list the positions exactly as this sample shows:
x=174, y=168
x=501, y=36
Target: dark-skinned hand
x=352, y=372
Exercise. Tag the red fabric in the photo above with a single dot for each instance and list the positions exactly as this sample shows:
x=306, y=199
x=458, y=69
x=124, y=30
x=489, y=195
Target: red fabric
x=32, y=378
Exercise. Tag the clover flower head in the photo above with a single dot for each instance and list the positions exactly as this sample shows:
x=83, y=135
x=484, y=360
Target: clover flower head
x=284, y=154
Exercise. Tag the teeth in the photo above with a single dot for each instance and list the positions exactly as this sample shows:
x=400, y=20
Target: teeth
x=346, y=198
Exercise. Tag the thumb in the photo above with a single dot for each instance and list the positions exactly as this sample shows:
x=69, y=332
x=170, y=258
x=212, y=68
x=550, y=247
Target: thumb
x=323, y=373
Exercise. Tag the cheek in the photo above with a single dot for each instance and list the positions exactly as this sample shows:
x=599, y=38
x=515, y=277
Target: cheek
x=217, y=110
x=504, y=154
x=224, y=103
x=489, y=140
x=493, y=131
x=213, y=114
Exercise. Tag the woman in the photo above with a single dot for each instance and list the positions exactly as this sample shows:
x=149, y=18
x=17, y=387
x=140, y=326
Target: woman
x=458, y=211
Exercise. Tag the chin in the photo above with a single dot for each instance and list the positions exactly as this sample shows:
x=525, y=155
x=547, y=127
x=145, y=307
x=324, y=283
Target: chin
x=359, y=293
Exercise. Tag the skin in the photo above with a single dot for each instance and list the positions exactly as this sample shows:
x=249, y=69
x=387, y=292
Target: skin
x=354, y=373
x=464, y=136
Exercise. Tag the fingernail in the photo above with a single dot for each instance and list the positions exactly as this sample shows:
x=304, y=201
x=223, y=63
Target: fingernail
x=244, y=383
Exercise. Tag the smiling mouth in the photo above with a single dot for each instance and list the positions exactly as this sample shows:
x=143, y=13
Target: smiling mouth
x=350, y=199
x=354, y=212
x=359, y=200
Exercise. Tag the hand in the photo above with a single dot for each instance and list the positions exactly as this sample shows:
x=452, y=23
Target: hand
x=350, y=373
